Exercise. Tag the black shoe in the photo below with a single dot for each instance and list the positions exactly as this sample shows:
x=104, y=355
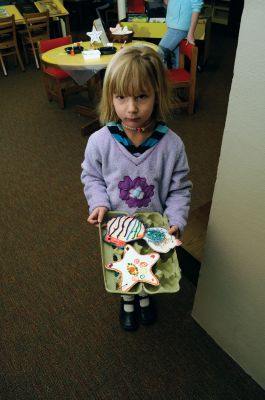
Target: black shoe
x=128, y=320
x=147, y=314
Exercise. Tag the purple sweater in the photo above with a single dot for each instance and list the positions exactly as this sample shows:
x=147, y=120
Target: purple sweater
x=154, y=181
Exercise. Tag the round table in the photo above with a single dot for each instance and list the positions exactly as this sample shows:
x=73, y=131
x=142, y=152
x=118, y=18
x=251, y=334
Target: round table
x=80, y=69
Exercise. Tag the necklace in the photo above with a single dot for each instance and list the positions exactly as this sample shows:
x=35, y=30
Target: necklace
x=139, y=130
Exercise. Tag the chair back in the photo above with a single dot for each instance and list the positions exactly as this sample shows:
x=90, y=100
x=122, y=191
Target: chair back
x=186, y=48
x=184, y=77
x=8, y=41
x=48, y=44
x=189, y=51
x=37, y=24
x=58, y=83
x=7, y=32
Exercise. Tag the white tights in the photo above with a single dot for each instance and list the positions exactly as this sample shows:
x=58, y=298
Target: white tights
x=129, y=299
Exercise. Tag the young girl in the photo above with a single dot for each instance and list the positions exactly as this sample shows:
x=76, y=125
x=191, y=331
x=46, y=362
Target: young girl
x=135, y=163
x=181, y=19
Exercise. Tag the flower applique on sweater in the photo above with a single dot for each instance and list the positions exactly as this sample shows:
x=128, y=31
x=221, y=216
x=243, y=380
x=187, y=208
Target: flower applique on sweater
x=136, y=192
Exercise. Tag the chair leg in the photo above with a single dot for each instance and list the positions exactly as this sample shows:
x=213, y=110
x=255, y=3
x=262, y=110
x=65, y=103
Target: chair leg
x=20, y=59
x=3, y=65
x=15, y=60
x=191, y=100
x=191, y=108
x=47, y=89
x=35, y=56
x=61, y=100
x=60, y=95
x=25, y=52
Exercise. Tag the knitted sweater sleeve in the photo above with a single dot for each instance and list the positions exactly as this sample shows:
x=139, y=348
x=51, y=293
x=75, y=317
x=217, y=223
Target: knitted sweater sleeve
x=92, y=177
x=178, y=201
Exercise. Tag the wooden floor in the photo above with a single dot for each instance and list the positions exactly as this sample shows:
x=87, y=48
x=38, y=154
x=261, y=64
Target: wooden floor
x=194, y=236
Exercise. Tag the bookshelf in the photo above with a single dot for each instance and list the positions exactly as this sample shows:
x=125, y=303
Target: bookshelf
x=217, y=10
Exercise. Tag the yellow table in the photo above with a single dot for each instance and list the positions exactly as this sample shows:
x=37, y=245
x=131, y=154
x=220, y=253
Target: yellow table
x=56, y=9
x=78, y=64
x=156, y=30
x=12, y=10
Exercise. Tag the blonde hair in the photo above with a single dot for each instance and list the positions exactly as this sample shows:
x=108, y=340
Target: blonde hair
x=133, y=71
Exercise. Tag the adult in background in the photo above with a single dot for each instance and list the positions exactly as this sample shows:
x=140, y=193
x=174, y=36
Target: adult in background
x=181, y=19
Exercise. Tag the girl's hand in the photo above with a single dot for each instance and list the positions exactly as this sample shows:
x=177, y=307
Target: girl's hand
x=97, y=215
x=190, y=39
x=174, y=230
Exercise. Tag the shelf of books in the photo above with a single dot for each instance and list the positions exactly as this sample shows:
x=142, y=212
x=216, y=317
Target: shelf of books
x=217, y=10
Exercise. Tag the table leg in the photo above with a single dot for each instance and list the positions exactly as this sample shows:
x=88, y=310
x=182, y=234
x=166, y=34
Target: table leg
x=90, y=128
x=95, y=84
x=93, y=124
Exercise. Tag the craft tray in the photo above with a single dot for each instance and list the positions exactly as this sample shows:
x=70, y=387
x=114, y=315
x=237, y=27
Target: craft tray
x=166, y=269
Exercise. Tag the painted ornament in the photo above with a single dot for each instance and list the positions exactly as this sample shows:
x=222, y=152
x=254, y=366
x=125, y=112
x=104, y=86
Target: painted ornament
x=94, y=35
x=160, y=240
x=134, y=268
x=124, y=229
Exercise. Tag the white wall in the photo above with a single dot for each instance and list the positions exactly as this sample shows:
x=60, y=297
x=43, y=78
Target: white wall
x=230, y=300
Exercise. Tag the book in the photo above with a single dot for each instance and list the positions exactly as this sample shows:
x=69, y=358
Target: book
x=137, y=17
x=157, y=19
x=49, y=5
x=3, y=12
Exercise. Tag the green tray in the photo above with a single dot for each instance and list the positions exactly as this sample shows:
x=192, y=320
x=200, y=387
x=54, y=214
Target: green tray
x=166, y=269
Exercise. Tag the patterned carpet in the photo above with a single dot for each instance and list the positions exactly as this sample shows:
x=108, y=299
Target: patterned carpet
x=60, y=337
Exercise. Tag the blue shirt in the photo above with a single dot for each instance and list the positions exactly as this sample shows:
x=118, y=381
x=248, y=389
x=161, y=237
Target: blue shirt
x=179, y=13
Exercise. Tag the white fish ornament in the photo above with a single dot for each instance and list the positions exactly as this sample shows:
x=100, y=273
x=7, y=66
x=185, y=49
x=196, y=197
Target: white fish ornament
x=160, y=240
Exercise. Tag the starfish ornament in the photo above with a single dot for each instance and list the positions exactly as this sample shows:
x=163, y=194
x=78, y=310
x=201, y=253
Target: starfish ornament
x=134, y=268
x=94, y=35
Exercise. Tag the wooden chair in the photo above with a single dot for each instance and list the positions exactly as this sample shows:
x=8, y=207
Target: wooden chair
x=37, y=28
x=8, y=41
x=184, y=77
x=57, y=82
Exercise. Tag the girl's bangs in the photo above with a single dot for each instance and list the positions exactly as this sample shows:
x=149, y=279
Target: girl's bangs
x=131, y=81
